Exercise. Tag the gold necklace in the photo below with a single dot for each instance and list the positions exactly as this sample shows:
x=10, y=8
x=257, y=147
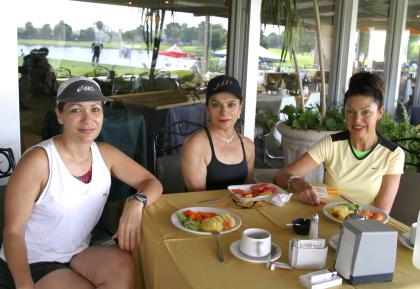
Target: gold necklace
x=227, y=139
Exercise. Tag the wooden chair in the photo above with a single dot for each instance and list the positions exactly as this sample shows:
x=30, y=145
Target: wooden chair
x=273, y=82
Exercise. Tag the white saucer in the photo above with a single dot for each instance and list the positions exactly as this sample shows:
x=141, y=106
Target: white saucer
x=234, y=249
x=405, y=241
x=333, y=241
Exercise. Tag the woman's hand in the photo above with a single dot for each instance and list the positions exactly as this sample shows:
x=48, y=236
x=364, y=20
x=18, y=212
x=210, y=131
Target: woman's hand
x=306, y=193
x=129, y=228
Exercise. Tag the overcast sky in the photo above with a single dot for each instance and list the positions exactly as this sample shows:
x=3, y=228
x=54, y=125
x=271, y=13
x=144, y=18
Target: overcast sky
x=80, y=15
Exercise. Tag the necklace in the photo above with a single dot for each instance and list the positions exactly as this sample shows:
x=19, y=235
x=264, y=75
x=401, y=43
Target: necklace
x=226, y=139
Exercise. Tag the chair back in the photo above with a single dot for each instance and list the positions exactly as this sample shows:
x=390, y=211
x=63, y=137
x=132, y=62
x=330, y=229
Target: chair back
x=167, y=142
x=407, y=201
x=406, y=204
x=411, y=147
x=7, y=162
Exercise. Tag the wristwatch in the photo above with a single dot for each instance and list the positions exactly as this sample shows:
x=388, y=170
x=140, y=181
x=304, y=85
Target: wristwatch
x=140, y=197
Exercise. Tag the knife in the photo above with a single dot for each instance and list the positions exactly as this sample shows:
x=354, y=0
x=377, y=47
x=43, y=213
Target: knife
x=215, y=200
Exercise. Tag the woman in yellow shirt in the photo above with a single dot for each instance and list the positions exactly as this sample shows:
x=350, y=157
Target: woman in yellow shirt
x=358, y=161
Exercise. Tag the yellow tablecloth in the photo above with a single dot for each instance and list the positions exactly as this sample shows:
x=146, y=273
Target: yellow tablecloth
x=173, y=258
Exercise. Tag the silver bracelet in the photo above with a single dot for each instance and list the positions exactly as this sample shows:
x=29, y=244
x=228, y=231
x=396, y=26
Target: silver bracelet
x=291, y=178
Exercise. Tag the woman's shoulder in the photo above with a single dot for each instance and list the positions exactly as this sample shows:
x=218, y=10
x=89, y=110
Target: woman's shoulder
x=34, y=159
x=197, y=138
x=107, y=150
x=247, y=141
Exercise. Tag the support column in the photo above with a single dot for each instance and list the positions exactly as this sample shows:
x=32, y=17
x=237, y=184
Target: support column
x=245, y=27
x=9, y=91
x=392, y=69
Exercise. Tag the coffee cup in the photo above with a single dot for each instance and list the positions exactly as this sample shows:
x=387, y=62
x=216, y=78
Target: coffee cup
x=255, y=242
x=413, y=233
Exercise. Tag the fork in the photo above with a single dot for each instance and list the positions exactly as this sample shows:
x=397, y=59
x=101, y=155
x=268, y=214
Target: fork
x=219, y=249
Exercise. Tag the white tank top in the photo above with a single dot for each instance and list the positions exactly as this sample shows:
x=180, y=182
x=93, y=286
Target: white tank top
x=67, y=210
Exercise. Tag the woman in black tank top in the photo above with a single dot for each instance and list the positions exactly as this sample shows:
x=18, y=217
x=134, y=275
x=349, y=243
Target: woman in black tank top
x=218, y=156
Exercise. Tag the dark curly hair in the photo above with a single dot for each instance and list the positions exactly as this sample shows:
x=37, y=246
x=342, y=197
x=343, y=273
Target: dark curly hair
x=366, y=84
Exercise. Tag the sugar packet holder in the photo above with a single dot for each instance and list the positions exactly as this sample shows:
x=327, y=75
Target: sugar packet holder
x=320, y=279
x=308, y=254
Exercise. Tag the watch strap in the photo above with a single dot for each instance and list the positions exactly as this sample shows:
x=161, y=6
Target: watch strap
x=140, y=197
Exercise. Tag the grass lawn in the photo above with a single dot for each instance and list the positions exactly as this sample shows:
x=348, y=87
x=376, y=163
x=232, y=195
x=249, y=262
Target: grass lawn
x=86, y=68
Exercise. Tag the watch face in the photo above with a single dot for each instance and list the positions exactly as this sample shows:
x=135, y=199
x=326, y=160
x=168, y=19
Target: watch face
x=142, y=198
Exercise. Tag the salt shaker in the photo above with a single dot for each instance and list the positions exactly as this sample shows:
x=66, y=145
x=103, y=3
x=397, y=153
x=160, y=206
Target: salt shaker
x=313, y=229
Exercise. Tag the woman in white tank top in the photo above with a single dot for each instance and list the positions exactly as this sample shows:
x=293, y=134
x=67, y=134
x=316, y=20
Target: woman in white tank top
x=56, y=195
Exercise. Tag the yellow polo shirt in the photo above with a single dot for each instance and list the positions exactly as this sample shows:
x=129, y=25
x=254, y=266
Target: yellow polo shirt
x=359, y=178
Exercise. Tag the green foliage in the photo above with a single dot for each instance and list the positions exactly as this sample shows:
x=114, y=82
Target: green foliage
x=393, y=130
x=311, y=118
x=266, y=120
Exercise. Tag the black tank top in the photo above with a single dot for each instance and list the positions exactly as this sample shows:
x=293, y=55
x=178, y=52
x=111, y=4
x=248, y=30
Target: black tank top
x=220, y=175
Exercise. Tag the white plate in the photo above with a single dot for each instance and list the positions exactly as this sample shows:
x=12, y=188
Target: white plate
x=405, y=241
x=175, y=219
x=247, y=188
x=234, y=249
x=333, y=241
x=327, y=208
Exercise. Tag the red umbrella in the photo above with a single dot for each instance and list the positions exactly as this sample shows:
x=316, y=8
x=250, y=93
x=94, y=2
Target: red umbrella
x=175, y=51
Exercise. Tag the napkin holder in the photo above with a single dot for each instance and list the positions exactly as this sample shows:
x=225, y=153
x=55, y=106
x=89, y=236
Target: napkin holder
x=307, y=254
x=366, y=252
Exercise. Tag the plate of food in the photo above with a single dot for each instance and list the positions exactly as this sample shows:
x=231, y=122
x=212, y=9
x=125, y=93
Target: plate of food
x=339, y=210
x=204, y=220
x=255, y=192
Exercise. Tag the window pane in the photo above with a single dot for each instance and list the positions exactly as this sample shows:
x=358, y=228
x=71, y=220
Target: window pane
x=108, y=43
x=410, y=53
x=372, y=22
x=277, y=82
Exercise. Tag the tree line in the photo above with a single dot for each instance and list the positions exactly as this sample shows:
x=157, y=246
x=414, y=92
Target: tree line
x=173, y=33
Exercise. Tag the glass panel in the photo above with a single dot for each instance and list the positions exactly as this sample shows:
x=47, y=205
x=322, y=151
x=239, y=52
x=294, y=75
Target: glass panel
x=410, y=54
x=372, y=22
x=108, y=44
x=277, y=82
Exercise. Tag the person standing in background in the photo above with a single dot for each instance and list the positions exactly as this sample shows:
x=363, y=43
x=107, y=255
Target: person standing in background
x=96, y=50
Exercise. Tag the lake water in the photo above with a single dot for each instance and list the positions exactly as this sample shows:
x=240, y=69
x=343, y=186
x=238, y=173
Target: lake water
x=134, y=58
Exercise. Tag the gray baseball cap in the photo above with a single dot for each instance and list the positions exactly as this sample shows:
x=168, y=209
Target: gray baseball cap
x=80, y=88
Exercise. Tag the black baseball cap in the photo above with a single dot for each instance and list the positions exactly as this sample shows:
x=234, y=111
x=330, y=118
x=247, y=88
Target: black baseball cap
x=223, y=83
x=78, y=89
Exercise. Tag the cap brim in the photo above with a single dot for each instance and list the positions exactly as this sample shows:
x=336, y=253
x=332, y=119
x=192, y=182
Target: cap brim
x=83, y=98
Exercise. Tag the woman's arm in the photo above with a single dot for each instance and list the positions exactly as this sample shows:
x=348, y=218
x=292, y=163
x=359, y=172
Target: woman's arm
x=292, y=175
x=24, y=187
x=193, y=165
x=387, y=192
x=250, y=160
x=134, y=175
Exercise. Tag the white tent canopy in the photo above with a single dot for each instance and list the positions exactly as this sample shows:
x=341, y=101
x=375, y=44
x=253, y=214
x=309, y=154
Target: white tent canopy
x=263, y=53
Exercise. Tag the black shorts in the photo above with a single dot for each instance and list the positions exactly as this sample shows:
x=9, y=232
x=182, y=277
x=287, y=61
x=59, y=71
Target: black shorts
x=38, y=270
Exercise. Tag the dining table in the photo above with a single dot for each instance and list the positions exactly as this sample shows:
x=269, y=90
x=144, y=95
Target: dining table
x=170, y=257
